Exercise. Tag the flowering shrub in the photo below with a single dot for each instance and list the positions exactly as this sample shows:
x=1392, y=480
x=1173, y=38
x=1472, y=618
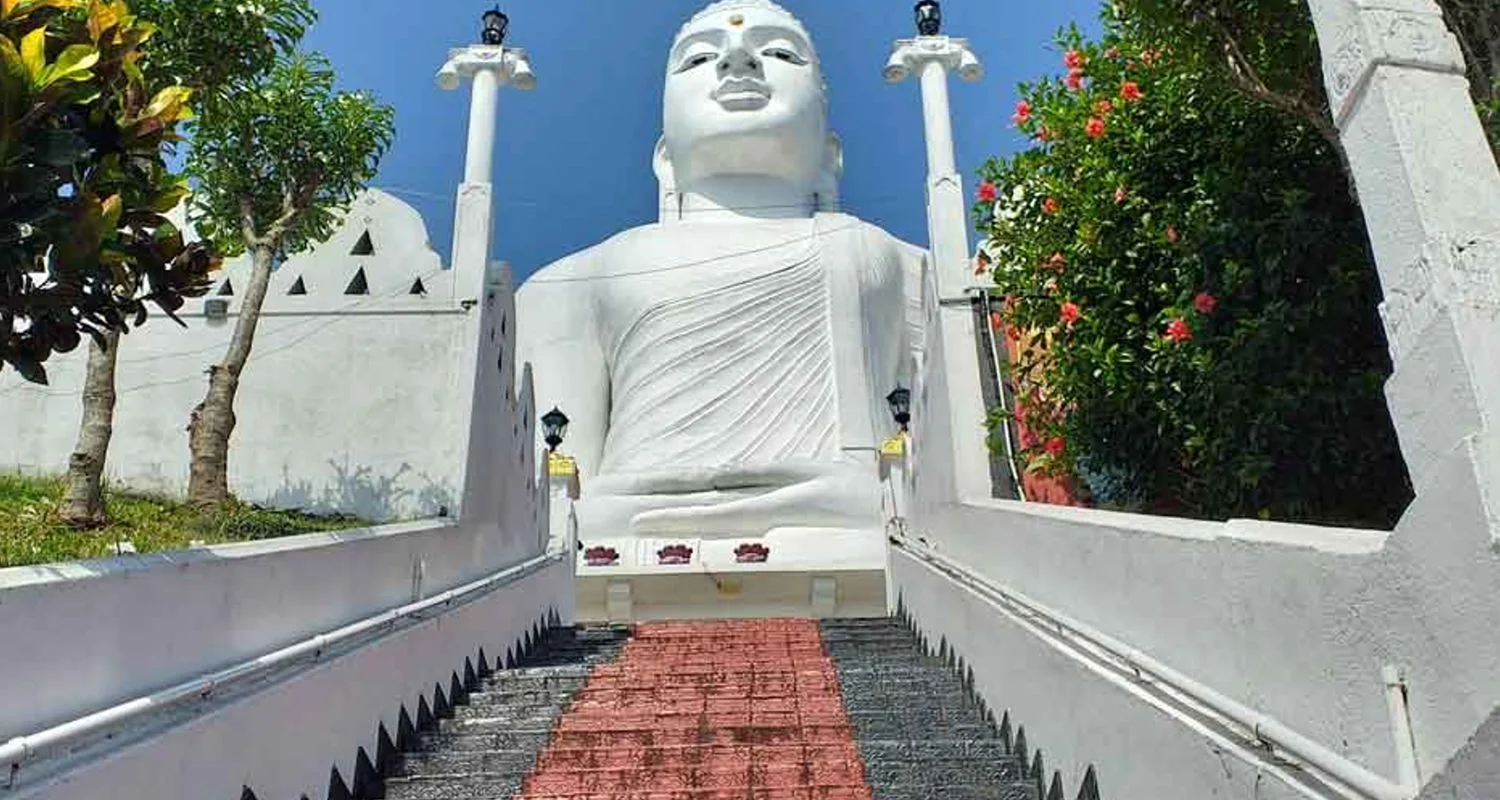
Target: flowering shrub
x=1195, y=294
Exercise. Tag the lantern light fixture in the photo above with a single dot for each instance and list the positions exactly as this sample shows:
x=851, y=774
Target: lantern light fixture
x=554, y=428
x=900, y=403
x=496, y=24
x=929, y=18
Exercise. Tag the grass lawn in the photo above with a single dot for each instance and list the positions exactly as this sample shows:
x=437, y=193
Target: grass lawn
x=32, y=533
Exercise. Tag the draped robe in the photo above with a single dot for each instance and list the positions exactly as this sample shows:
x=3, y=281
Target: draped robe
x=731, y=375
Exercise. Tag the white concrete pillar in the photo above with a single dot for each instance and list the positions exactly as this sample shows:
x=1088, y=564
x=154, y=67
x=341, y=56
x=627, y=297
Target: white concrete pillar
x=479, y=160
x=490, y=68
x=961, y=445
x=1430, y=192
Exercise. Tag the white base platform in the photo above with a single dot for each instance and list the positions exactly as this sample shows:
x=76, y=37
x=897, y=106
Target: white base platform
x=809, y=573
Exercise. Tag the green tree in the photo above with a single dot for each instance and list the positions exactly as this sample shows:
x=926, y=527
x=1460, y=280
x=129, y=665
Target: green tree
x=1476, y=23
x=274, y=166
x=1198, y=278
x=84, y=243
x=210, y=47
x=1269, y=50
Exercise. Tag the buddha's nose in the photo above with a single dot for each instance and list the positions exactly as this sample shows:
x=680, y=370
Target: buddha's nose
x=738, y=60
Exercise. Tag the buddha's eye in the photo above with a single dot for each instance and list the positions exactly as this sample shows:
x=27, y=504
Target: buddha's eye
x=695, y=60
x=783, y=54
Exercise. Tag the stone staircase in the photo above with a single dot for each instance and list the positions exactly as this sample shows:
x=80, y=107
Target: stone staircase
x=754, y=709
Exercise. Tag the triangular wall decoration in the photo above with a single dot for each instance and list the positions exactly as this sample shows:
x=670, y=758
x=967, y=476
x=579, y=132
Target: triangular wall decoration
x=227, y=290
x=359, y=285
x=418, y=287
x=298, y=288
x=363, y=247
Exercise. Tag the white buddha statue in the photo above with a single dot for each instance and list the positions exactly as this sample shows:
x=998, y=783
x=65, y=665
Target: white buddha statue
x=726, y=368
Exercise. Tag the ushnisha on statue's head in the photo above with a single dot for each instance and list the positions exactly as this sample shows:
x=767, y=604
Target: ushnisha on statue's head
x=745, y=99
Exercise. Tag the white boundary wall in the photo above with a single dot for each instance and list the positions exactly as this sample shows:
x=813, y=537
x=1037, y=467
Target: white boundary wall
x=350, y=402
x=83, y=637
x=1296, y=622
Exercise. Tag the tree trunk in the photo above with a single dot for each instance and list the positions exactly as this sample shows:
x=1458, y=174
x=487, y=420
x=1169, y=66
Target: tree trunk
x=213, y=420
x=83, y=506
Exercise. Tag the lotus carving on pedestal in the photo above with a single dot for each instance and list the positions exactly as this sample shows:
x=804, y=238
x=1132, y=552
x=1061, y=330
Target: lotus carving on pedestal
x=601, y=556
x=752, y=553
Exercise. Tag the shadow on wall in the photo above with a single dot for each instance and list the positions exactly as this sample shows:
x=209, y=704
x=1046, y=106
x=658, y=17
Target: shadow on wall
x=360, y=491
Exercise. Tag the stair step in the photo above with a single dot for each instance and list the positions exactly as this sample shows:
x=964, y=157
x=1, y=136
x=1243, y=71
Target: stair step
x=498, y=723
x=468, y=762
x=857, y=713
x=534, y=739
x=453, y=787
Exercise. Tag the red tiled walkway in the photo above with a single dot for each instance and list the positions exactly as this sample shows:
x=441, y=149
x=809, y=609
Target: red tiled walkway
x=707, y=711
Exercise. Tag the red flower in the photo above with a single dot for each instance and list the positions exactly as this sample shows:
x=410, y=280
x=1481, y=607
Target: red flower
x=997, y=321
x=988, y=192
x=1205, y=303
x=1113, y=52
x=1069, y=313
x=1073, y=60
x=1172, y=235
x=1051, y=206
x=1043, y=134
x=1056, y=447
x=1058, y=262
x=1178, y=331
x=1120, y=195
x=1104, y=108
x=1130, y=92
x=1094, y=128
x=1074, y=80
x=1023, y=113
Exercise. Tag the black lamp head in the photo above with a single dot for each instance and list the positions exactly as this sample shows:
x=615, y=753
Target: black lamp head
x=900, y=402
x=495, y=26
x=929, y=18
x=554, y=428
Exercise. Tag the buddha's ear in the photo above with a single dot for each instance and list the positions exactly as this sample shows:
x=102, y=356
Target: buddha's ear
x=835, y=157
x=828, y=178
x=666, y=177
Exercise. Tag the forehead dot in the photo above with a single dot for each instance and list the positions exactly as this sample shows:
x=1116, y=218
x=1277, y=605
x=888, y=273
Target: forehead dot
x=737, y=20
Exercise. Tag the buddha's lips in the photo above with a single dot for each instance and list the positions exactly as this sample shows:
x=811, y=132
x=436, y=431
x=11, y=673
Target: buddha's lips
x=742, y=91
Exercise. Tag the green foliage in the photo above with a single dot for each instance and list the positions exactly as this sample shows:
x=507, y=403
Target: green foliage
x=1476, y=25
x=84, y=243
x=32, y=532
x=1224, y=356
x=278, y=159
x=213, y=45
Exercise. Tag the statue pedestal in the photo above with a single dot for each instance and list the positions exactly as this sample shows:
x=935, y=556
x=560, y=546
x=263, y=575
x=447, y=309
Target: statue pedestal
x=806, y=573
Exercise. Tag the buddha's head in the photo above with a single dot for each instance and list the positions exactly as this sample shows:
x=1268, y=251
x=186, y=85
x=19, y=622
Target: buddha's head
x=745, y=97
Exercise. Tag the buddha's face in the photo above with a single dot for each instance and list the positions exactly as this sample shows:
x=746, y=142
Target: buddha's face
x=744, y=96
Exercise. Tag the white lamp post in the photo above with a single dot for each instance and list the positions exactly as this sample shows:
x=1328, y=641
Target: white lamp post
x=490, y=66
x=931, y=56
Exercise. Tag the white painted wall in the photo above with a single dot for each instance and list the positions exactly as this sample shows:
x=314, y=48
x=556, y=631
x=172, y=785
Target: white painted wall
x=350, y=403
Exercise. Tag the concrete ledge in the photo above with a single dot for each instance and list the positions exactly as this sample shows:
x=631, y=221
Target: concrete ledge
x=1071, y=716
x=284, y=740
x=1339, y=541
x=695, y=594
x=84, y=636
x=1296, y=621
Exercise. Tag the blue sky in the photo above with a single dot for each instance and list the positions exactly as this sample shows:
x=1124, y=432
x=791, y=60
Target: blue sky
x=573, y=159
